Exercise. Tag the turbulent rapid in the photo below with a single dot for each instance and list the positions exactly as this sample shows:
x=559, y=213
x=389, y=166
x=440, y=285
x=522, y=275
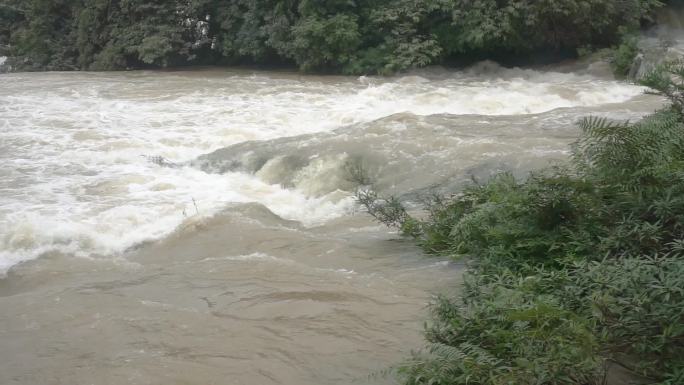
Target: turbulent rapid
x=200, y=227
x=76, y=180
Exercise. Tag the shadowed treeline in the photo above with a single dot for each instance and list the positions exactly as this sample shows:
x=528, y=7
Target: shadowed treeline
x=354, y=37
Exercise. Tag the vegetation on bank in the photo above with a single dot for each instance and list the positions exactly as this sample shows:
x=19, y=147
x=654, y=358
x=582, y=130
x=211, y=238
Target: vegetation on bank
x=623, y=55
x=577, y=268
x=348, y=36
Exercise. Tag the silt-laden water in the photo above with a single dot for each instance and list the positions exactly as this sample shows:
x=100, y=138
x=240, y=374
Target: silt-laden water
x=198, y=227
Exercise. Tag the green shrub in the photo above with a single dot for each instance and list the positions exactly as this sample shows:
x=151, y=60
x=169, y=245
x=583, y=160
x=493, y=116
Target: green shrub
x=623, y=55
x=569, y=268
x=506, y=335
x=325, y=42
x=638, y=303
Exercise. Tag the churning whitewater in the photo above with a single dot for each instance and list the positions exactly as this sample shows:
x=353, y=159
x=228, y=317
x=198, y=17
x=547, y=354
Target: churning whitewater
x=199, y=227
x=78, y=150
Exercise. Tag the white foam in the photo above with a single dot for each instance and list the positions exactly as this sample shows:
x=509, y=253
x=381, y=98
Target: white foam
x=254, y=257
x=73, y=178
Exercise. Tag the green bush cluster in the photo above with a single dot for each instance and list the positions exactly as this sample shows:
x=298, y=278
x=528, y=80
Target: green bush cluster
x=349, y=36
x=623, y=55
x=575, y=267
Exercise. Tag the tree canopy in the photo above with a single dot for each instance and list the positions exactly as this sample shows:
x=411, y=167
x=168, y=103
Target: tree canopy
x=348, y=36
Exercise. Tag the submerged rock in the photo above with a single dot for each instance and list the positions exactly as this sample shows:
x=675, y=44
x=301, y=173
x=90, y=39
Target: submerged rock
x=411, y=155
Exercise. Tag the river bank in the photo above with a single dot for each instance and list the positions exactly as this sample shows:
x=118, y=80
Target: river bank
x=573, y=271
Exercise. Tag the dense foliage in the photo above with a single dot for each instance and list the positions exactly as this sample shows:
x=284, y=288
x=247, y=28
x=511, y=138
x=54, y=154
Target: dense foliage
x=569, y=270
x=331, y=35
x=623, y=55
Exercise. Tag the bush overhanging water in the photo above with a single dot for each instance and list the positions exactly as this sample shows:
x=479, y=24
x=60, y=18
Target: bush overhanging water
x=571, y=270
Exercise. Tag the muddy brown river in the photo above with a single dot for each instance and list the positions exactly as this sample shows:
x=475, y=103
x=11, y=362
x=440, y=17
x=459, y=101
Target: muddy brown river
x=199, y=227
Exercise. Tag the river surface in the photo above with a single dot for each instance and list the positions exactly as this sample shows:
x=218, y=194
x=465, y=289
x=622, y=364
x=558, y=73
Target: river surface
x=199, y=227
